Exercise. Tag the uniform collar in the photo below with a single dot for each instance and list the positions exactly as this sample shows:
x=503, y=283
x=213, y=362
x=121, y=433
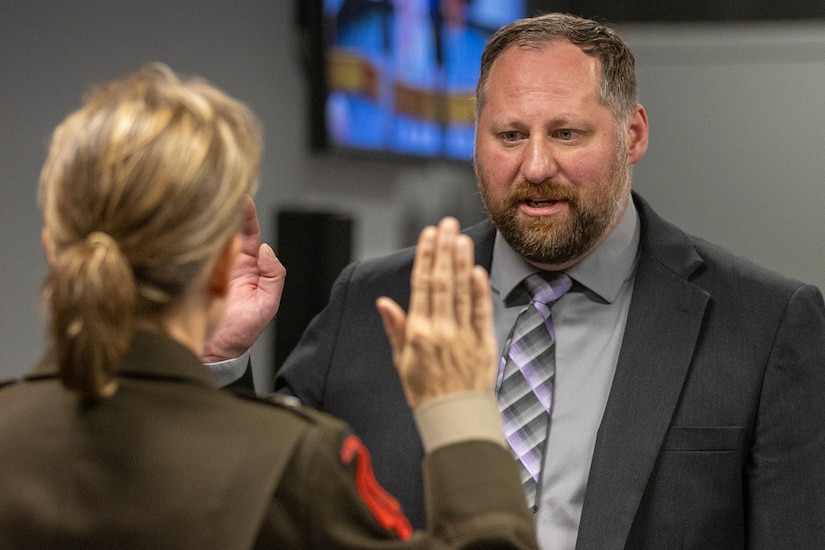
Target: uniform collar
x=151, y=355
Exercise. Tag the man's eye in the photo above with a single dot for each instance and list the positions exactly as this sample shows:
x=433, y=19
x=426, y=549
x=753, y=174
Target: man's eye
x=566, y=134
x=509, y=136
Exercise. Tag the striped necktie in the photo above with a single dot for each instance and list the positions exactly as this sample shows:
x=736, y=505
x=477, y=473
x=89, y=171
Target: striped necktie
x=526, y=387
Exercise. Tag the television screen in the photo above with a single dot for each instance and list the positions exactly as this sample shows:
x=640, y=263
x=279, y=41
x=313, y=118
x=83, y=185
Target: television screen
x=399, y=75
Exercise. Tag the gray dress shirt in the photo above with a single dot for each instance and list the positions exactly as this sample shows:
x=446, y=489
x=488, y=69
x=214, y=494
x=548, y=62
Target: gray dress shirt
x=589, y=322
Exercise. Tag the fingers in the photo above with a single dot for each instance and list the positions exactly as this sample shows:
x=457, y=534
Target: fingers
x=445, y=342
x=443, y=271
x=251, y=228
x=440, y=281
x=393, y=319
x=420, y=279
x=462, y=289
x=482, y=318
x=482, y=307
x=271, y=281
x=268, y=263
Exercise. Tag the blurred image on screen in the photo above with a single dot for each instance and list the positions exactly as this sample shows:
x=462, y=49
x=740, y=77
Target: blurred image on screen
x=401, y=74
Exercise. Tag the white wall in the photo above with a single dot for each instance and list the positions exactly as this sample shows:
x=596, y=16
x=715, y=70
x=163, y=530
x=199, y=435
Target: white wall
x=735, y=156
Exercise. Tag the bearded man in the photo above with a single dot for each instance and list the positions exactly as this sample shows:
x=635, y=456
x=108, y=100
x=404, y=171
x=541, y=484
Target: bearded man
x=685, y=383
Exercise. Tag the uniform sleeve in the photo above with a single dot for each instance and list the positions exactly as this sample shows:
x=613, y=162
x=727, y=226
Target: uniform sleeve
x=785, y=474
x=329, y=498
x=457, y=417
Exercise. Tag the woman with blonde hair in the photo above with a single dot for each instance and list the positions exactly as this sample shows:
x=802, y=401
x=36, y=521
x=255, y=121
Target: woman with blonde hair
x=119, y=437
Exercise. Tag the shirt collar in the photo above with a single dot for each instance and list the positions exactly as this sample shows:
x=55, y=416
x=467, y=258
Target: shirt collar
x=603, y=271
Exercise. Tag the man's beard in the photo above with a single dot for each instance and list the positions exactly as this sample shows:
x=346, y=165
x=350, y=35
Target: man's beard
x=559, y=240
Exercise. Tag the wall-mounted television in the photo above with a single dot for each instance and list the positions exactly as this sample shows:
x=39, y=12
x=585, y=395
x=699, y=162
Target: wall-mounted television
x=397, y=76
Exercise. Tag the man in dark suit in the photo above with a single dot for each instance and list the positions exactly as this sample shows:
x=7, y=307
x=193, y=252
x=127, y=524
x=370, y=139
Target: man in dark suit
x=687, y=397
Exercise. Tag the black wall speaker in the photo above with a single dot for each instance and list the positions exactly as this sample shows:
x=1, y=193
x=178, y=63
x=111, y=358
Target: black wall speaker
x=314, y=247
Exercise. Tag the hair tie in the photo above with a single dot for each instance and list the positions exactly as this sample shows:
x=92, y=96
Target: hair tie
x=99, y=238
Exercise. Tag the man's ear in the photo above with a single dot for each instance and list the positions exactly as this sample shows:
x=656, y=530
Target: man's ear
x=48, y=244
x=225, y=262
x=637, y=134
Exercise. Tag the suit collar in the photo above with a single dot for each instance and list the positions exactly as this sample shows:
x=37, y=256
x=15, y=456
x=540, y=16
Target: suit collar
x=604, y=271
x=665, y=243
x=484, y=235
x=662, y=240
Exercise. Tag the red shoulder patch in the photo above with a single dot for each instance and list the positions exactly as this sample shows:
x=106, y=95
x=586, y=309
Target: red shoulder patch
x=383, y=506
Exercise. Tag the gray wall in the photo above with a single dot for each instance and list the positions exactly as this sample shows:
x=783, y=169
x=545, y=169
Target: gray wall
x=736, y=152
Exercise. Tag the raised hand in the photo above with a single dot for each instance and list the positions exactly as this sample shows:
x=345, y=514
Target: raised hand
x=445, y=343
x=254, y=294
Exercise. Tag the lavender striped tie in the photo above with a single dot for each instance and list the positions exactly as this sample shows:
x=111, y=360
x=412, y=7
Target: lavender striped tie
x=526, y=387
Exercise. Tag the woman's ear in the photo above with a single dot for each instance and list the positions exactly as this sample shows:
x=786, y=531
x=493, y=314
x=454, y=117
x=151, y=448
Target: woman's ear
x=48, y=245
x=222, y=272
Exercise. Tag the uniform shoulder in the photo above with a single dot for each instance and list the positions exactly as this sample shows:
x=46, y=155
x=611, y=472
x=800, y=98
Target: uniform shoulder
x=286, y=405
x=8, y=382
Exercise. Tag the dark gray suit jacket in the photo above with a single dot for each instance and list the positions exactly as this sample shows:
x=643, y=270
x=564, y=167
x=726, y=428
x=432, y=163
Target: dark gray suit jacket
x=714, y=431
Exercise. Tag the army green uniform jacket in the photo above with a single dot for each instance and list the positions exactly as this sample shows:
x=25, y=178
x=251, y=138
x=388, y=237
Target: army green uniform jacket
x=172, y=462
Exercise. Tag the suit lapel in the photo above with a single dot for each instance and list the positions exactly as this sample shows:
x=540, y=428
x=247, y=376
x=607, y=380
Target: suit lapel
x=664, y=321
x=665, y=317
x=484, y=236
